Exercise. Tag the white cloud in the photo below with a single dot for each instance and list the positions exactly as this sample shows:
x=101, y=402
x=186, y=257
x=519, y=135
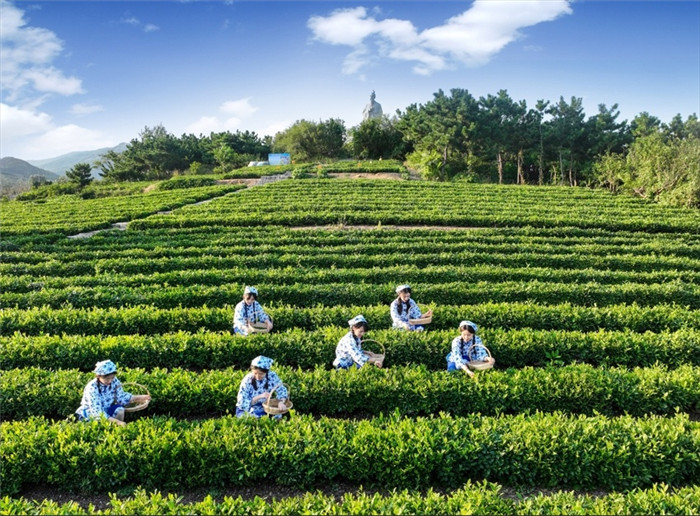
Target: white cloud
x=27, y=53
x=233, y=114
x=28, y=134
x=471, y=38
x=135, y=22
x=21, y=122
x=275, y=127
x=242, y=107
x=85, y=109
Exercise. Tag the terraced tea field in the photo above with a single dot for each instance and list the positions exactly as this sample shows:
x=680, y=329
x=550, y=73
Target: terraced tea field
x=589, y=302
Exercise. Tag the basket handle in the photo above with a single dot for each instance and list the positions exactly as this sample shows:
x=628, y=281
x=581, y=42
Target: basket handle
x=473, y=346
x=289, y=392
x=375, y=341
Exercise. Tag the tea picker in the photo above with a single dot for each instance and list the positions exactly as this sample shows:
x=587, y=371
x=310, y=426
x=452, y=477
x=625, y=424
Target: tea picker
x=104, y=396
x=468, y=352
x=349, y=352
x=255, y=395
x=405, y=314
x=249, y=316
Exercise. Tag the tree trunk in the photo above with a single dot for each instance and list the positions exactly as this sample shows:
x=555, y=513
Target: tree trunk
x=521, y=176
x=500, y=168
x=444, y=162
x=540, y=177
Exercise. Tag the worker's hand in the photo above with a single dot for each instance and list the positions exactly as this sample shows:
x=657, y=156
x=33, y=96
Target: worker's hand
x=282, y=405
x=262, y=396
x=428, y=313
x=378, y=364
x=406, y=326
x=117, y=422
x=269, y=324
x=469, y=372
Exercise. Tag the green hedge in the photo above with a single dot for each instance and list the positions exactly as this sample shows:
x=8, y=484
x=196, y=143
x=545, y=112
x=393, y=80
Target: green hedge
x=412, y=390
x=177, y=183
x=332, y=294
x=150, y=320
x=541, y=450
x=474, y=498
x=306, y=349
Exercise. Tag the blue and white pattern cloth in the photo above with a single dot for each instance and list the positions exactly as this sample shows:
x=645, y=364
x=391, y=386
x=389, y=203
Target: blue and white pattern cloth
x=247, y=391
x=458, y=354
x=409, y=310
x=244, y=313
x=357, y=320
x=98, y=398
x=349, y=352
x=105, y=367
x=262, y=362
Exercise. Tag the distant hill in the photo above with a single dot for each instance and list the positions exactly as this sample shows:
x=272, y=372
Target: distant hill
x=62, y=164
x=13, y=170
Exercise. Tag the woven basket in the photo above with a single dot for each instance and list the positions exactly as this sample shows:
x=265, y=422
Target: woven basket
x=421, y=321
x=479, y=365
x=271, y=406
x=259, y=327
x=139, y=390
x=375, y=357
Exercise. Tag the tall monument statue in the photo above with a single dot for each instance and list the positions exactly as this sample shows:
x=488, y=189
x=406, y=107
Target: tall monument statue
x=373, y=109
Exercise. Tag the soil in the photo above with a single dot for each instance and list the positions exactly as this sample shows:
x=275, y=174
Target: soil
x=354, y=175
x=266, y=491
x=388, y=227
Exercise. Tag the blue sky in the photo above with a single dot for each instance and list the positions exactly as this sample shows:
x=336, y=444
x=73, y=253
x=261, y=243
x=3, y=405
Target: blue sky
x=88, y=74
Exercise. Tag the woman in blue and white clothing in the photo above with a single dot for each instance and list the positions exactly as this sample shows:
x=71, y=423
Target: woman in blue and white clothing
x=457, y=358
x=256, y=387
x=349, y=348
x=248, y=312
x=104, y=396
x=404, y=308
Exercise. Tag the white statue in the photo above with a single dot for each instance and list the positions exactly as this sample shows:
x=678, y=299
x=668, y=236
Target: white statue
x=373, y=109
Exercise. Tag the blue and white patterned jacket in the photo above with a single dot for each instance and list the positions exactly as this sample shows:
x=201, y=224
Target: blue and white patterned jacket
x=413, y=312
x=349, y=351
x=98, y=397
x=244, y=314
x=458, y=354
x=246, y=392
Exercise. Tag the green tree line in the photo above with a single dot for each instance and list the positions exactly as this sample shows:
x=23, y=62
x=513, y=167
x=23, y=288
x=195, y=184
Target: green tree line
x=458, y=136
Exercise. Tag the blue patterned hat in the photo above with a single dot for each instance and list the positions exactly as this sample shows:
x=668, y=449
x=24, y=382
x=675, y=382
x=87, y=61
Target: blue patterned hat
x=468, y=323
x=403, y=287
x=357, y=320
x=250, y=290
x=105, y=367
x=262, y=362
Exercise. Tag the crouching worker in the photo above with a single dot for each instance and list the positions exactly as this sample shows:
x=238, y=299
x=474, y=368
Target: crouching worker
x=104, y=396
x=256, y=387
x=348, y=352
x=459, y=357
x=404, y=308
x=248, y=312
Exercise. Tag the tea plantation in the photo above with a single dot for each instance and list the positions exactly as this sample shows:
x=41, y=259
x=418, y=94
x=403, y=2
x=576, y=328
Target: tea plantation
x=589, y=302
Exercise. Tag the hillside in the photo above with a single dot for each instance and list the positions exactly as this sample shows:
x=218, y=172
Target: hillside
x=13, y=170
x=61, y=164
x=589, y=302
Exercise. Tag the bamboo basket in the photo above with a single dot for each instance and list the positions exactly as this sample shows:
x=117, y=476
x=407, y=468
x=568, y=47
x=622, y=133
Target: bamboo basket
x=421, y=321
x=375, y=357
x=259, y=327
x=271, y=406
x=479, y=365
x=140, y=390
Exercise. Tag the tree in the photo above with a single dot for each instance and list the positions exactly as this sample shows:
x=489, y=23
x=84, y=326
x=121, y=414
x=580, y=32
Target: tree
x=81, y=173
x=569, y=137
x=306, y=140
x=377, y=138
x=445, y=126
